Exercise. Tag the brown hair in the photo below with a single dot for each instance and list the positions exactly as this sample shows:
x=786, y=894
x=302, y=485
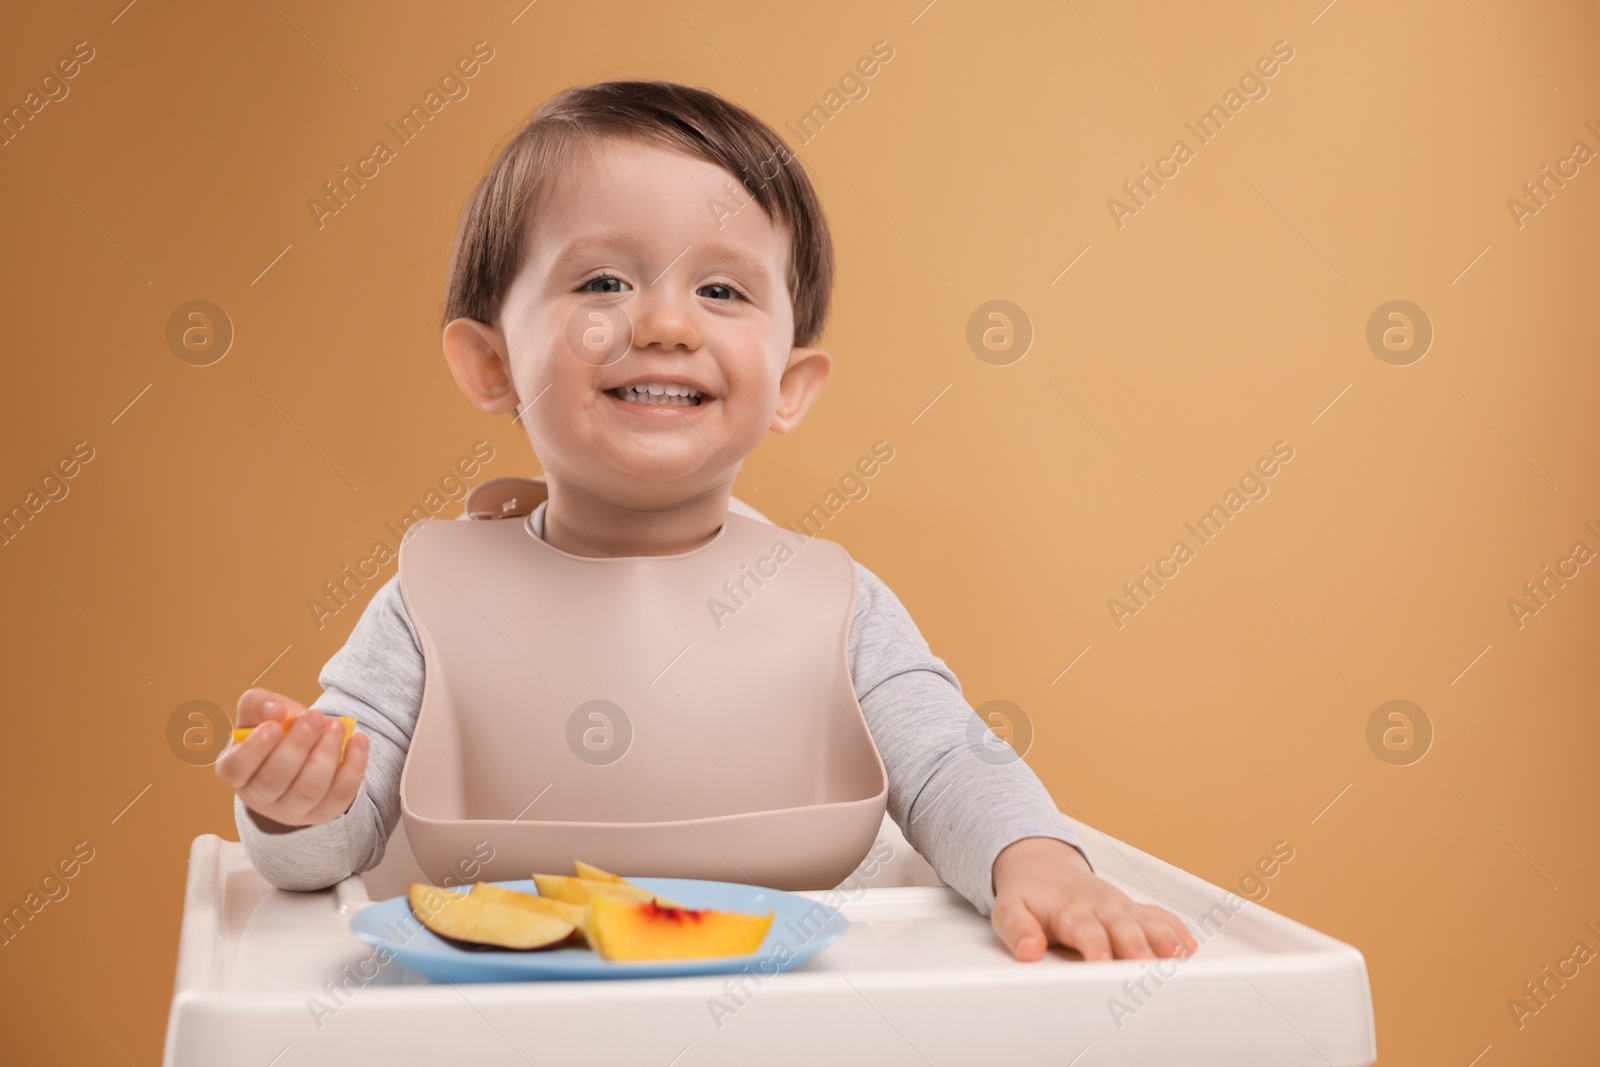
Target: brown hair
x=487, y=252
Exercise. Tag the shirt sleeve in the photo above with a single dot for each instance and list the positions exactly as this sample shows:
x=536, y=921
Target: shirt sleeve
x=956, y=802
x=376, y=677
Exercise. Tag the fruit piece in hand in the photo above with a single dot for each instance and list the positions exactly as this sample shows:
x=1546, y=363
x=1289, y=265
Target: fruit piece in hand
x=480, y=919
x=621, y=929
x=288, y=720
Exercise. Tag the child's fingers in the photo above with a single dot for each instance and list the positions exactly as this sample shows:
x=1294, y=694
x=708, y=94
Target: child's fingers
x=1167, y=927
x=1127, y=936
x=346, y=780
x=240, y=761
x=310, y=785
x=1162, y=937
x=278, y=771
x=1018, y=928
x=257, y=705
x=1165, y=923
x=1079, y=929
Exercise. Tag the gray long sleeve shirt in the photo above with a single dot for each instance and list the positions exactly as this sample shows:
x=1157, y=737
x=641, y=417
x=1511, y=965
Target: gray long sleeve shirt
x=956, y=808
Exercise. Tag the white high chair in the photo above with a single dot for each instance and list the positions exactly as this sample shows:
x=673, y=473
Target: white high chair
x=268, y=977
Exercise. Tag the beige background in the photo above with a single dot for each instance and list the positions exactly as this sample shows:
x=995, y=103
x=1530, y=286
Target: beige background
x=1226, y=315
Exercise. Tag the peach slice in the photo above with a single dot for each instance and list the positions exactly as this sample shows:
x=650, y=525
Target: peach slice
x=288, y=720
x=593, y=873
x=483, y=920
x=626, y=930
x=560, y=909
x=580, y=890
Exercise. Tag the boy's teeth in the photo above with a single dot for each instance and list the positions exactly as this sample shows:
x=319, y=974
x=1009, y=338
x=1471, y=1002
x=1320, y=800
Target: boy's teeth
x=656, y=393
x=657, y=389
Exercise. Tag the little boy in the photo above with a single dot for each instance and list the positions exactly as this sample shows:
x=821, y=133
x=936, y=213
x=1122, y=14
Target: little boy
x=692, y=228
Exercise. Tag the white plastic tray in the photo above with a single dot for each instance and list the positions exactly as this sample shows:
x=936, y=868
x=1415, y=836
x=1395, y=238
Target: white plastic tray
x=920, y=979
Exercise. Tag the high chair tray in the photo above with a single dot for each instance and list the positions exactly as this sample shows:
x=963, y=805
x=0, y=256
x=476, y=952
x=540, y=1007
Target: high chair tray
x=268, y=977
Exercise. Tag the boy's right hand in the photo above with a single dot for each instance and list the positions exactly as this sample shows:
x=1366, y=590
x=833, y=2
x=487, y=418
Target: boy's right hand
x=292, y=778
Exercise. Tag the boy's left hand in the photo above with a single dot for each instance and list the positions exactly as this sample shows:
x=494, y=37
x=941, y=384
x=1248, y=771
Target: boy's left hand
x=1044, y=891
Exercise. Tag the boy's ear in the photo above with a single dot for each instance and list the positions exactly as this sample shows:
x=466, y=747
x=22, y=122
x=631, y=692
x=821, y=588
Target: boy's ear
x=476, y=353
x=808, y=371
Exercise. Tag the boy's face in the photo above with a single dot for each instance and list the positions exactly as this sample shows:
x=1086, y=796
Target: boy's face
x=641, y=239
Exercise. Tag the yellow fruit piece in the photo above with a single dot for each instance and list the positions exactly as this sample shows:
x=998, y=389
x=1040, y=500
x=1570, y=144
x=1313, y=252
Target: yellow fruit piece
x=628, y=930
x=579, y=890
x=288, y=720
x=483, y=920
x=593, y=873
x=560, y=909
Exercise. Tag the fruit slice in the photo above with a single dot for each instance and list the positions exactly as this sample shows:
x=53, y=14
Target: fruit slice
x=481, y=920
x=579, y=890
x=288, y=720
x=572, y=913
x=560, y=909
x=621, y=929
x=593, y=873
x=589, y=872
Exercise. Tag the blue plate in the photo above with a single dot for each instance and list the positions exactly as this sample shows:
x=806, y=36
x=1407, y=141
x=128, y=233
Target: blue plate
x=801, y=928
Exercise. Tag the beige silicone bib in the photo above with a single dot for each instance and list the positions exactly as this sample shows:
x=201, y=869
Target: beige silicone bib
x=684, y=716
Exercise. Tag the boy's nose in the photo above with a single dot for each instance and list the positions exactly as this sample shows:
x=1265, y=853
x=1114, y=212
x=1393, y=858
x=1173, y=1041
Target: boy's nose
x=663, y=318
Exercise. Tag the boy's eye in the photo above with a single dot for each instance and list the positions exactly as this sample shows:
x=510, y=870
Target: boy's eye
x=610, y=283
x=606, y=281
x=718, y=291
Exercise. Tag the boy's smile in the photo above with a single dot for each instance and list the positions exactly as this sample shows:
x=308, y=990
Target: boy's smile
x=649, y=339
